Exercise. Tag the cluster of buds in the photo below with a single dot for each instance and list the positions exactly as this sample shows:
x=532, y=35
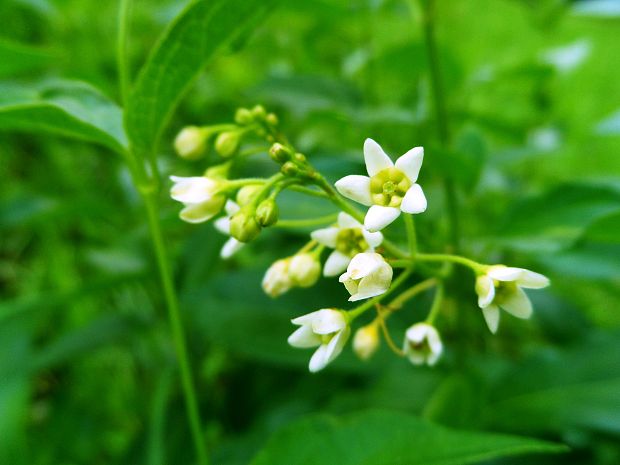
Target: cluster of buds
x=364, y=261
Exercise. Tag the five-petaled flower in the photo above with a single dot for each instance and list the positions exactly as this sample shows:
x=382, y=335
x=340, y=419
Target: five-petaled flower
x=200, y=196
x=347, y=239
x=367, y=275
x=422, y=344
x=326, y=329
x=501, y=287
x=391, y=187
x=232, y=245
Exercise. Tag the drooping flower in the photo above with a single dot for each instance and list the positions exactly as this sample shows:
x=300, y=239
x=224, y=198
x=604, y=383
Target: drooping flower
x=366, y=341
x=501, y=287
x=347, y=239
x=367, y=275
x=232, y=245
x=389, y=187
x=422, y=344
x=200, y=196
x=326, y=329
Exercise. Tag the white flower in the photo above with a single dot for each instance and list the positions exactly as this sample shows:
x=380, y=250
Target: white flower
x=326, y=329
x=366, y=341
x=422, y=344
x=391, y=187
x=277, y=279
x=348, y=239
x=232, y=245
x=304, y=269
x=367, y=275
x=200, y=197
x=500, y=287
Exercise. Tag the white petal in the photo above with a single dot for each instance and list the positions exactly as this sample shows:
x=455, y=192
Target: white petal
x=355, y=187
x=222, y=225
x=414, y=200
x=347, y=221
x=518, y=304
x=485, y=290
x=505, y=273
x=364, y=264
x=304, y=338
x=411, y=162
x=416, y=357
x=306, y=319
x=200, y=212
x=328, y=321
x=195, y=189
x=350, y=285
x=335, y=345
x=378, y=217
x=231, y=208
x=326, y=236
x=491, y=316
x=532, y=280
x=373, y=239
x=418, y=332
x=375, y=158
x=231, y=247
x=336, y=263
x=374, y=284
x=319, y=360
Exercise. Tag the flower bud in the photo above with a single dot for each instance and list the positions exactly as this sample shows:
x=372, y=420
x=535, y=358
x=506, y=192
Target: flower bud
x=247, y=193
x=366, y=341
x=271, y=119
x=277, y=280
x=279, y=153
x=190, y=143
x=218, y=171
x=304, y=269
x=243, y=225
x=227, y=143
x=243, y=116
x=267, y=212
x=259, y=112
x=290, y=169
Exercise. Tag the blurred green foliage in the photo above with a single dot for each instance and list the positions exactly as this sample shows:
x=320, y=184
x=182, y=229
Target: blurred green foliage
x=87, y=367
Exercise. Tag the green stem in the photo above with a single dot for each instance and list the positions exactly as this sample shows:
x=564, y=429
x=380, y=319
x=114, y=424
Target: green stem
x=411, y=235
x=399, y=301
x=308, y=191
x=353, y=314
x=427, y=257
x=178, y=333
x=437, y=302
x=441, y=115
x=321, y=220
x=121, y=49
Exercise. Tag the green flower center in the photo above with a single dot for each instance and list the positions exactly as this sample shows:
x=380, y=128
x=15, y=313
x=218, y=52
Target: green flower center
x=325, y=338
x=351, y=241
x=503, y=290
x=422, y=347
x=388, y=187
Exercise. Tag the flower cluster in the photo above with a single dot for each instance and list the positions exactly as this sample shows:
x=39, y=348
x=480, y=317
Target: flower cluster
x=369, y=266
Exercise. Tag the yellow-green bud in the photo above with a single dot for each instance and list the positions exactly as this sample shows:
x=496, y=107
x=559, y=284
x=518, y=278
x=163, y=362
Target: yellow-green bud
x=227, y=143
x=267, y=212
x=271, y=119
x=243, y=225
x=247, y=193
x=259, y=112
x=243, y=116
x=218, y=171
x=366, y=341
x=304, y=269
x=280, y=153
x=290, y=169
x=190, y=143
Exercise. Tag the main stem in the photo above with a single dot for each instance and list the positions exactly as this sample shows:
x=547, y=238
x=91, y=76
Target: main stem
x=178, y=333
x=439, y=104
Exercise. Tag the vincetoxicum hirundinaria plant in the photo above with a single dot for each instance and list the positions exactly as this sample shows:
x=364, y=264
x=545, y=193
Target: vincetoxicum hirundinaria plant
x=361, y=256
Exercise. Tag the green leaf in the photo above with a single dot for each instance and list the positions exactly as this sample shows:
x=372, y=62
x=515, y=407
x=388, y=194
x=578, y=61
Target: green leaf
x=202, y=30
x=16, y=58
x=67, y=108
x=381, y=437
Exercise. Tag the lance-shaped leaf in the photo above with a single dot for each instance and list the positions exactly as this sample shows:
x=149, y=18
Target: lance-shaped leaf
x=204, y=28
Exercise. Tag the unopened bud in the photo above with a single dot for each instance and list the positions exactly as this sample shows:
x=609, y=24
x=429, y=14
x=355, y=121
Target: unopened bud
x=227, y=143
x=190, y=143
x=259, y=112
x=247, y=193
x=267, y=212
x=299, y=157
x=290, y=169
x=280, y=153
x=277, y=279
x=218, y=171
x=271, y=119
x=304, y=269
x=243, y=225
x=243, y=116
x=366, y=341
